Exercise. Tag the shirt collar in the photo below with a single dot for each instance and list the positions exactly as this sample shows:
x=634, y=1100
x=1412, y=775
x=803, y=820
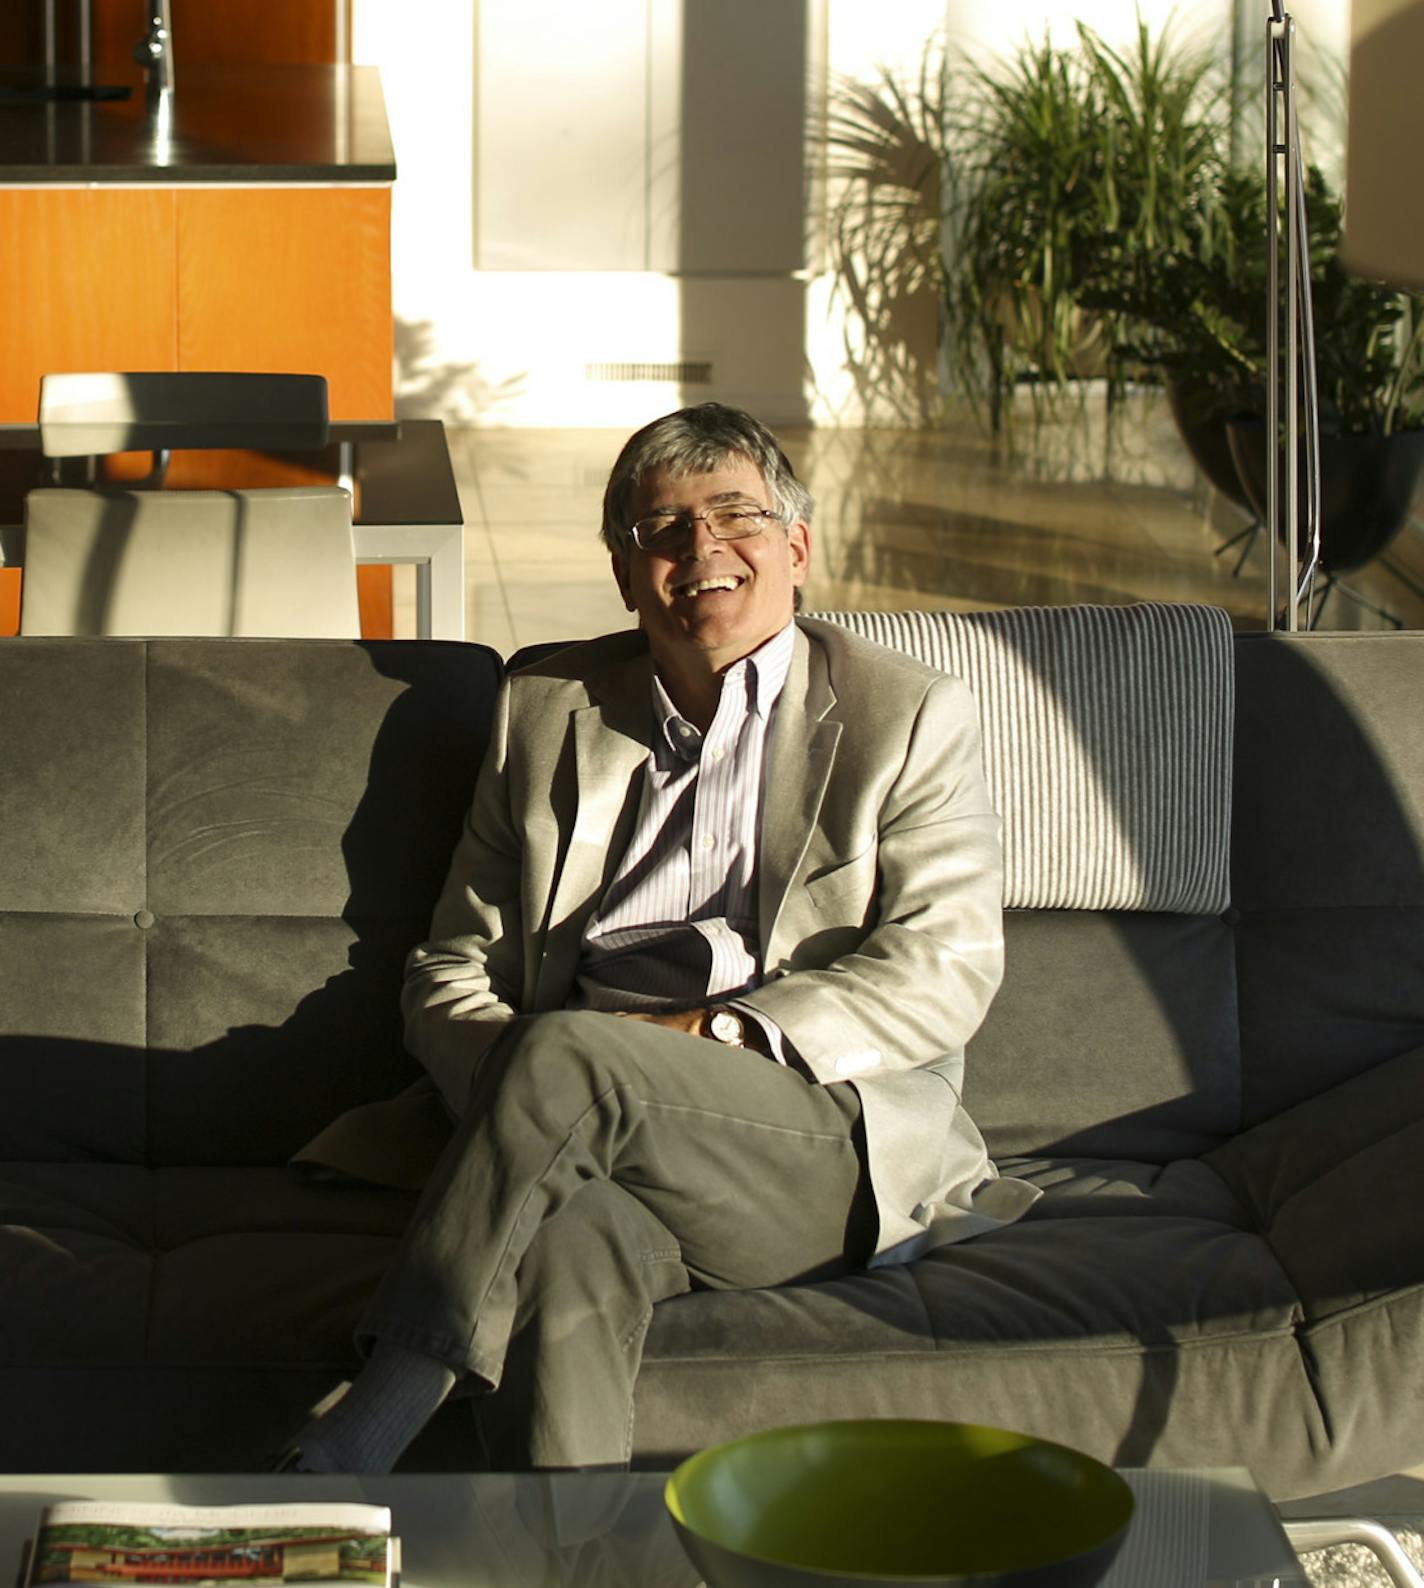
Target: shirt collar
x=764, y=672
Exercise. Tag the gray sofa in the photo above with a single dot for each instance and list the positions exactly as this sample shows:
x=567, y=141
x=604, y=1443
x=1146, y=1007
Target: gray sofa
x=216, y=854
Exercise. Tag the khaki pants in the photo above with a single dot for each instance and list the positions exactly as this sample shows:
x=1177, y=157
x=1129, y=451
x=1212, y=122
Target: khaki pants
x=604, y=1165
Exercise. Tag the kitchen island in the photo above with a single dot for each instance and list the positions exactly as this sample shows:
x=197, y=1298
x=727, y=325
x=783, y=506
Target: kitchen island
x=244, y=227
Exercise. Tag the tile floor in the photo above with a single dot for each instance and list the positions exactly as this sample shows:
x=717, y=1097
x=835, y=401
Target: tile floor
x=905, y=519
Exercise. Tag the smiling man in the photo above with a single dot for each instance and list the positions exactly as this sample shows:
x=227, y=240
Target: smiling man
x=724, y=913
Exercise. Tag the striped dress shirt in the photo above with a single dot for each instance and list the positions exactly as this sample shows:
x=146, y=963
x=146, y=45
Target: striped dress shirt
x=677, y=926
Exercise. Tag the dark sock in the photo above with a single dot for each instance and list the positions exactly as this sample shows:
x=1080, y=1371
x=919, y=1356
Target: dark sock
x=390, y=1400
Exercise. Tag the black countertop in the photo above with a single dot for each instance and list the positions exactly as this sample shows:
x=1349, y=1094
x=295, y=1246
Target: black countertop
x=265, y=124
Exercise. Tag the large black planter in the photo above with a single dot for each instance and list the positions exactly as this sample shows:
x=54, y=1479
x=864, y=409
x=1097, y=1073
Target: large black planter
x=1201, y=423
x=1367, y=486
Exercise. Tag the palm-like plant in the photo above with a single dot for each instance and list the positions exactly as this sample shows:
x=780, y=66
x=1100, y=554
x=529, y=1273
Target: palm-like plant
x=1028, y=141
x=1071, y=161
x=1164, y=138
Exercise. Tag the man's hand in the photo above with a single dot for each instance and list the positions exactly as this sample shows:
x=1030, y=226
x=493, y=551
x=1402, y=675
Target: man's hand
x=693, y=1022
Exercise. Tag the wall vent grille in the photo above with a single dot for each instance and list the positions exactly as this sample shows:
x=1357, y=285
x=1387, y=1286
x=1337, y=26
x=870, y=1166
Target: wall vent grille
x=692, y=372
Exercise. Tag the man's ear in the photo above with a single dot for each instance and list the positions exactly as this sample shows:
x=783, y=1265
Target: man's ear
x=798, y=536
x=625, y=584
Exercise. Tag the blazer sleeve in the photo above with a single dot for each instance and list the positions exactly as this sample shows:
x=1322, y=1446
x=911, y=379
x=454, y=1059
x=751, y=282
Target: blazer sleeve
x=461, y=987
x=897, y=962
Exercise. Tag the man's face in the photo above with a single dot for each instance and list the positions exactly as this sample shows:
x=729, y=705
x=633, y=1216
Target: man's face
x=716, y=600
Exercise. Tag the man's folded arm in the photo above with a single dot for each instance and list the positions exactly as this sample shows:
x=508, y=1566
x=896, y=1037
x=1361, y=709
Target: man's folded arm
x=461, y=985
x=918, y=984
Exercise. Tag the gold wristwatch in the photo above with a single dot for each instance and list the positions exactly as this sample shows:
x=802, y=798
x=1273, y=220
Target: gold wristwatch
x=727, y=1026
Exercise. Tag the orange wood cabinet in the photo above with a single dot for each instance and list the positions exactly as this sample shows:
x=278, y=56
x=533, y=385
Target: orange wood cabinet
x=217, y=32
x=223, y=31
x=87, y=281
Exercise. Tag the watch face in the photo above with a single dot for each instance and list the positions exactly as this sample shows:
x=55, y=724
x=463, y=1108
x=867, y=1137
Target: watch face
x=726, y=1026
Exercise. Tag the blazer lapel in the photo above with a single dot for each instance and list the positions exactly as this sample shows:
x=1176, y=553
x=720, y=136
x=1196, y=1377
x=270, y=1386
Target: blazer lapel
x=802, y=752
x=611, y=743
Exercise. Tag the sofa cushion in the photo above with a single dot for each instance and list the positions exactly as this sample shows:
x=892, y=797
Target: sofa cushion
x=1133, y=1313
x=1113, y=1035
x=72, y=779
x=218, y=854
x=1324, y=995
x=113, y=1263
x=1107, y=744
x=1336, y=1184
x=217, y=1055
x=1329, y=806
x=1327, y=859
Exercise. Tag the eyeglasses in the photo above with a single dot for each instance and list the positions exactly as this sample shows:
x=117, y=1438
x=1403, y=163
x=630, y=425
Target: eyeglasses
x=666, y=531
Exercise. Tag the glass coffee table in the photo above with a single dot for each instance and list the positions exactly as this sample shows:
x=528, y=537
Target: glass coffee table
x=609, y=1530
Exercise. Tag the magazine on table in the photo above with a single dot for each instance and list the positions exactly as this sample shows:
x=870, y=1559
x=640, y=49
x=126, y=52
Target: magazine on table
x=102, y=1541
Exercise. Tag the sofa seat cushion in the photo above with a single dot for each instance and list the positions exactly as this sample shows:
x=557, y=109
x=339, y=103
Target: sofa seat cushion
x=1099, y=1188
x=1337, y=1185
x=114, y=1263
x=1134, y=1313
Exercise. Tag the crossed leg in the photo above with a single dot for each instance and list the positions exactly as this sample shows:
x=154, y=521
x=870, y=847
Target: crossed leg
x=603, y=1165
x=586, y=1288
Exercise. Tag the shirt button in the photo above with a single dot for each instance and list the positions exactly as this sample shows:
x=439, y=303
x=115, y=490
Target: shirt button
x=708, y=841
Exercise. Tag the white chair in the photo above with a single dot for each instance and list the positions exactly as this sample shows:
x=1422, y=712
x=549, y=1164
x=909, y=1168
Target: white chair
x=276, y=563
x=86, y=413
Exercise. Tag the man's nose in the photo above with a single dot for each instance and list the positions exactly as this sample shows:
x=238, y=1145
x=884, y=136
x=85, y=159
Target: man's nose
x=698, y=537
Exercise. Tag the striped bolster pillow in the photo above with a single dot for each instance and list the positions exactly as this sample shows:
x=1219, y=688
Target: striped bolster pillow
x=1107, y=744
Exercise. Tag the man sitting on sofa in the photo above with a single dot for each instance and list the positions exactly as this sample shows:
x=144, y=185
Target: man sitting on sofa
x=725, y=910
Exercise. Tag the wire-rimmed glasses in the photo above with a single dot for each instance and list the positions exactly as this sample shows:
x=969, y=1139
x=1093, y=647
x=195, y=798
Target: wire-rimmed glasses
x=669, y=531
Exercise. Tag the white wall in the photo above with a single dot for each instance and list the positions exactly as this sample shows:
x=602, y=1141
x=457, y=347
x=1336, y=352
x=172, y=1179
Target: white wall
x=513, y=346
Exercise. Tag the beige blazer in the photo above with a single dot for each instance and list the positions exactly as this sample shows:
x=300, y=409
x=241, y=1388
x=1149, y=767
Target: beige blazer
x=878, y=903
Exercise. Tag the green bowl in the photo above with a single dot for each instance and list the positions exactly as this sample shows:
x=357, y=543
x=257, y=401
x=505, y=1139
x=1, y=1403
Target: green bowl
x=897, y=1503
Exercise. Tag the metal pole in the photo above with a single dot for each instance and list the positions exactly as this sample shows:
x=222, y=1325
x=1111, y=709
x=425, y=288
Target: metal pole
x=1293, y=291
x=154, y=52
x=1274, y=29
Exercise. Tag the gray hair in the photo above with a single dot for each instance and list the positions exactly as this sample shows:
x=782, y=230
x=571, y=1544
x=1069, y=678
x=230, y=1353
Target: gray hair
x=697, y=441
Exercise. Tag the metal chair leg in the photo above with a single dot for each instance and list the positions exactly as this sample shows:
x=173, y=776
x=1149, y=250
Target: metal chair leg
x=1368, y=605
x=1249, y=536
x=1331, y=1530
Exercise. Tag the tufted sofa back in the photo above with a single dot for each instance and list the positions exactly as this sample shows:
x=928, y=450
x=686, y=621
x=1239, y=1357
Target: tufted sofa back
x=218, y=852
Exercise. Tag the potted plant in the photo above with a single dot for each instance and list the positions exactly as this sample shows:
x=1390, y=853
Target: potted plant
x=994, y=190
x=1199, y=315
x=1193, y=315
x=1065, y=156
x=1369, y=361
